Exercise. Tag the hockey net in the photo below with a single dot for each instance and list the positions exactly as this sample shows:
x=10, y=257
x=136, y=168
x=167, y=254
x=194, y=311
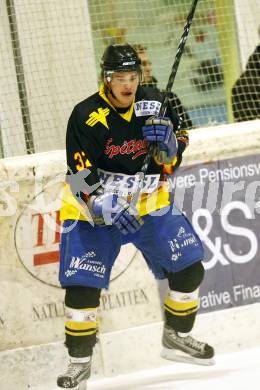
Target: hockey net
x=50, y=54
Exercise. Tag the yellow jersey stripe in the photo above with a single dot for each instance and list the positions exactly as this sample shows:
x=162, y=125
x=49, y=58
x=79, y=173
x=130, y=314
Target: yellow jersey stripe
x=72, y=209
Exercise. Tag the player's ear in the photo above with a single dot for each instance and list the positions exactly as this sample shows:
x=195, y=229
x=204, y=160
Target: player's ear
x=106, y=79
x=107, y=84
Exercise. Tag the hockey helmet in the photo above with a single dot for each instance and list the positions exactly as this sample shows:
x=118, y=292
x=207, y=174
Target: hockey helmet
x=120, y=58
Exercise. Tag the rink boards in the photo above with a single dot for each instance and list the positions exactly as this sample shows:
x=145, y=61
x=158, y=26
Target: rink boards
x=32, y=309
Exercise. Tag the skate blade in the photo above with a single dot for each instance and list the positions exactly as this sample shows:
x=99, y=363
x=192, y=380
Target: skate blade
x=179, y=356
x=81, y=386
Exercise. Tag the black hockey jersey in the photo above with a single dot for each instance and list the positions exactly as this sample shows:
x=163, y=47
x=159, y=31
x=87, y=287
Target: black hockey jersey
x=106, y=147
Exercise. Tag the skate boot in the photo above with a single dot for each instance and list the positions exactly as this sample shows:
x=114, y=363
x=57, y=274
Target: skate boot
x=75, y=376
x=185, y=349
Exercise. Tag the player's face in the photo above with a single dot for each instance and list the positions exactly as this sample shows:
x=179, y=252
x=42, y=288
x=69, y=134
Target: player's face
x=147, y=70
x=146, y=65
x=123, y=86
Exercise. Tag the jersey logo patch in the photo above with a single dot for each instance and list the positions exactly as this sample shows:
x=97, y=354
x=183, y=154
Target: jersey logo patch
x=147, y=107
x=126, y=185
x=135, y=147
x=99, y=116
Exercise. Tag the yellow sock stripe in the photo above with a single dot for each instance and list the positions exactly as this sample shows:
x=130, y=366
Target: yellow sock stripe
x=181, y=313
x=89, y=333
x=180, y=306
x=73, y=325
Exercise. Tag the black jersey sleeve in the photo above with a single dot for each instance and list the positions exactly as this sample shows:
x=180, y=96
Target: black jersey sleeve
x=83, y=148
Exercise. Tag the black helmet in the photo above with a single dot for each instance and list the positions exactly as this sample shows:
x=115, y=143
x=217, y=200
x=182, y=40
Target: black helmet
x=120, y=58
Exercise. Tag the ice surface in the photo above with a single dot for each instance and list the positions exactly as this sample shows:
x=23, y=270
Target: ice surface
x=235, y=371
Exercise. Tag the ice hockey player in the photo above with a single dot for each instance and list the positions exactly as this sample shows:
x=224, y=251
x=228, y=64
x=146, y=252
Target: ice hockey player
x=107, y=140
x=245, y=93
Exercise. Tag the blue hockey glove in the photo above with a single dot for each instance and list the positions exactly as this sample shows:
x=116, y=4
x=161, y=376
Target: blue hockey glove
x=115, y=211
x=160, y=130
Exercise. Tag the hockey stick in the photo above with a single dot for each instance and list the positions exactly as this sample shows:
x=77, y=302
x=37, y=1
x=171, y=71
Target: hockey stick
x=163, y=108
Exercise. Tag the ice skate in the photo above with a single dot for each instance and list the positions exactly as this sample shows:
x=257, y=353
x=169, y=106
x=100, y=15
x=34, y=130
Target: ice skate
x=75, y=376
x=185, y=349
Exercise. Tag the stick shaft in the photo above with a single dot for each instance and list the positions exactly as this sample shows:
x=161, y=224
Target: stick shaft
x=164, y=104
x=178, y=56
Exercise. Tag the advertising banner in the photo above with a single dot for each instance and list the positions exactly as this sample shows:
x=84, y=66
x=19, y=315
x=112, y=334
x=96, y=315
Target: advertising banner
x=222, y=200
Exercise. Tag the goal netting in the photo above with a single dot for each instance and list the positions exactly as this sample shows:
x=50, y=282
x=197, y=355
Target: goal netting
x=50, y=53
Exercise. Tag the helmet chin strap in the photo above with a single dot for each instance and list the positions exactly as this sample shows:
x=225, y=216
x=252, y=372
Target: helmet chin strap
x=109, y=89
x=112, y=94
